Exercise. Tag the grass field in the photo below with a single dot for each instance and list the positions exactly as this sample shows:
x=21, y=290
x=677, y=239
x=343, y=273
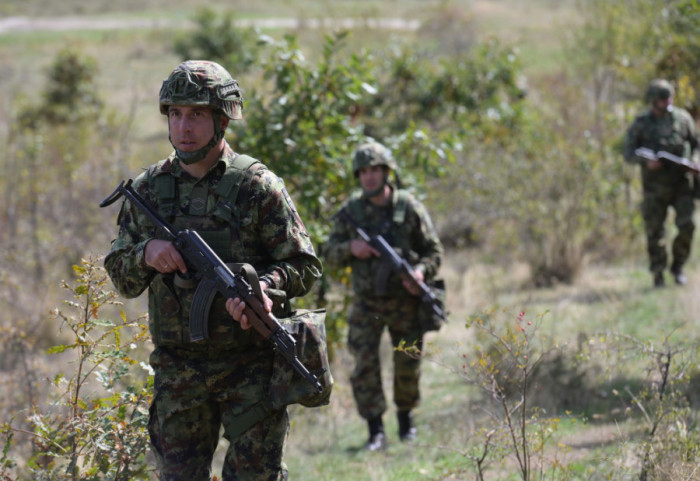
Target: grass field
x=133, y=61
x=324, y=443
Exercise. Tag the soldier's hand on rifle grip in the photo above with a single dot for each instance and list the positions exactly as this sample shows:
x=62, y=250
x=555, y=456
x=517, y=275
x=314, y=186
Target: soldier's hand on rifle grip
x=362, y=250
x=654, y=164
x=163, y=257
x=236, y=307
x=411, y=286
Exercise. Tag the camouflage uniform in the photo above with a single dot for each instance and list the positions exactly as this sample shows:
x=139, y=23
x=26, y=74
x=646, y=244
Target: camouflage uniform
x=671, y=186
x=413, y=235
x=202, y=386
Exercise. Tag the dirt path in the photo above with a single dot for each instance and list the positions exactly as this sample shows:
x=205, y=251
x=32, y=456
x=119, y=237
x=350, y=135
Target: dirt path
x=31, y=24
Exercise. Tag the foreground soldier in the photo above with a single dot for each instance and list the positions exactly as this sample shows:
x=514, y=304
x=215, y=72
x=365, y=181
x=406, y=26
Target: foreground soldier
x=664, y=127
x=244, y=213
x=380, y=208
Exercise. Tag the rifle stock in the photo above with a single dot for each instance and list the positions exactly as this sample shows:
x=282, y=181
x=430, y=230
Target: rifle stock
x=216, y=277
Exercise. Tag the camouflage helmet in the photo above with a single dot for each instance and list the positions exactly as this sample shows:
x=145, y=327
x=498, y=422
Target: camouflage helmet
x=201, y=82
x=372, y=153
x=659, y=89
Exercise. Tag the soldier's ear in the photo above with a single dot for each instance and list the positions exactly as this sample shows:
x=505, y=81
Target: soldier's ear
x=224, y=122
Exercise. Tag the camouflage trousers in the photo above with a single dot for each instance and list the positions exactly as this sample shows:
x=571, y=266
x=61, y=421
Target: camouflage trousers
x=654, y=210
x=198, y=392
x=366, y=322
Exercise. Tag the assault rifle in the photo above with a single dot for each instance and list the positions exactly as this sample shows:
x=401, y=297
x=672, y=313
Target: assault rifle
x=214, y=277
x=397, y=264
x=662, y=155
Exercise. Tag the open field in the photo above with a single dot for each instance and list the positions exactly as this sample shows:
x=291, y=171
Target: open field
x=602, y=430
x=140, y=49
x=599, y=434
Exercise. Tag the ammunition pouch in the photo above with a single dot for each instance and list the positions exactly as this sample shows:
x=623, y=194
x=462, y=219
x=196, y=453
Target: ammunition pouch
x=287, y=386
x=429, y=320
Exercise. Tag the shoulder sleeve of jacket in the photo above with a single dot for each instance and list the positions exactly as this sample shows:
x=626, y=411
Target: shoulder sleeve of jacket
x=294, y=266
x=125, y=262
x=426, y=239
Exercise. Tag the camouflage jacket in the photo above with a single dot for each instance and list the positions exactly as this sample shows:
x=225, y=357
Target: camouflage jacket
x=674, y=132
x=405, y=224
x=260, y=226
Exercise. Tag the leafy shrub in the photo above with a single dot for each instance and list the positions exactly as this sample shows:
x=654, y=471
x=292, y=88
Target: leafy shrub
x=216, y=38
x=95, y=425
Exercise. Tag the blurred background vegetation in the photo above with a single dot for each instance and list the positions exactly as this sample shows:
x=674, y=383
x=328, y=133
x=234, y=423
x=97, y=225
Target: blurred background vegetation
x=506, y=118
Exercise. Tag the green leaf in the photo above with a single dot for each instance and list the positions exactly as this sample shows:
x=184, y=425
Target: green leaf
x=58, y=349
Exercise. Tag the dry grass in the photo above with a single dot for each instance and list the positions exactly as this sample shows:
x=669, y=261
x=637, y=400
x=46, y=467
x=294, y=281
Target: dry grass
x=132, y=65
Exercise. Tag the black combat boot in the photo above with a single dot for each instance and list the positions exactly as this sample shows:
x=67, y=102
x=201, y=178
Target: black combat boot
x=407, y=430
x=678, y=275
x=377, y=439
x=659, y=279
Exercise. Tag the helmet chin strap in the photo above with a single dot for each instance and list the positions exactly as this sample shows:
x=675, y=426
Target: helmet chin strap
x=189, y=158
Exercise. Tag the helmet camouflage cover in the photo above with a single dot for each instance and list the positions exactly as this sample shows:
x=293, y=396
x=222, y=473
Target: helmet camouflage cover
x=201, y=82
x=372, y=153
x=659, y=89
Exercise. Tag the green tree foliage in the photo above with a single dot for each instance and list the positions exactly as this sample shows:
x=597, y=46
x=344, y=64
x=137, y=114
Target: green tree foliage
x=554, y=190
x=681, y=59
x=71, y=92
x=217, y=38
x=301, y=123
x=621, y=46
x=480, y=91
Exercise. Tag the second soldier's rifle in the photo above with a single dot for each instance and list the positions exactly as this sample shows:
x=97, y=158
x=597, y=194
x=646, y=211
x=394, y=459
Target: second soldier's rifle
x=214, y=277
x=662, y=155
x=399, y=265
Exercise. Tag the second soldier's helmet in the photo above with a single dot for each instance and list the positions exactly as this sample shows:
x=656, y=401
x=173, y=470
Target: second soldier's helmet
x=659, y=89
x=372, y=153
x=201, y=82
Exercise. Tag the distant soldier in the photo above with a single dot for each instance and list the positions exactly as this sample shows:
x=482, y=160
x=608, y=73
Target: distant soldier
x=380, y=208
x=242, y=210
x=664, y=127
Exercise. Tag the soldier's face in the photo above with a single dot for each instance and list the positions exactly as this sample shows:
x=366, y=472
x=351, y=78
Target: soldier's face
x=663, y=105
x=371, y=177
x=191, y=126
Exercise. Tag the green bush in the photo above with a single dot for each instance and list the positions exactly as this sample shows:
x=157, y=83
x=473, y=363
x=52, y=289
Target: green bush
x=94, y=426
